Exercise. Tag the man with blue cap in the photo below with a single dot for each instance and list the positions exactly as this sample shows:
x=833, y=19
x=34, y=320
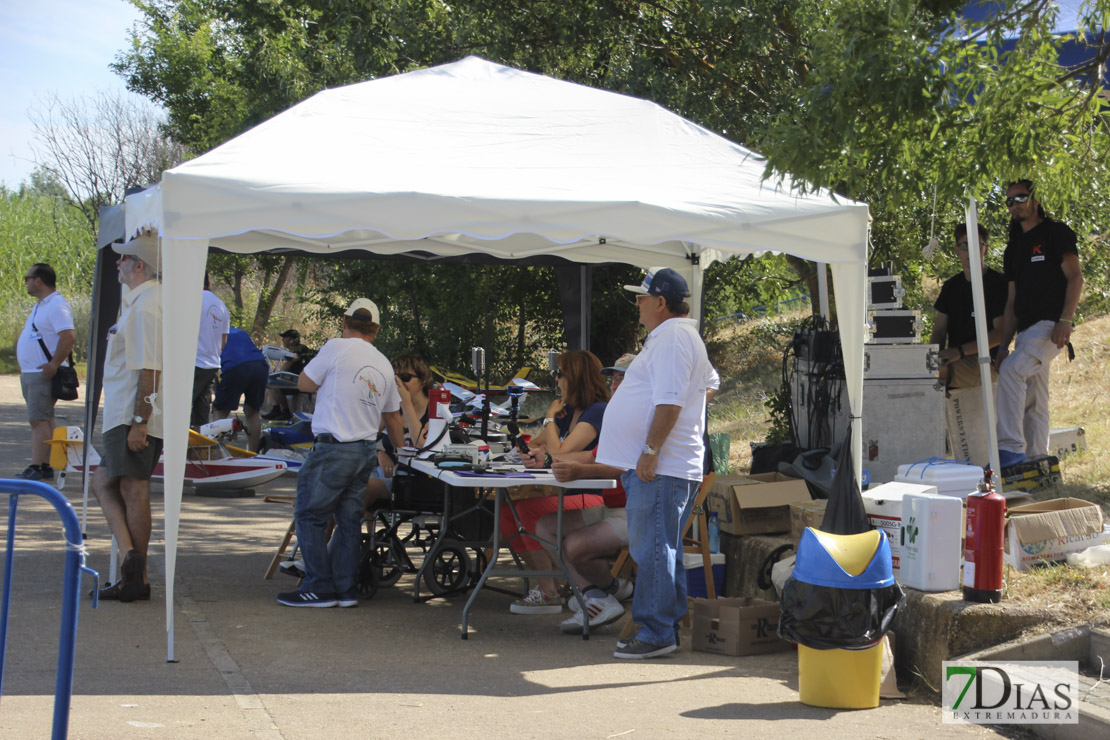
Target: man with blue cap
x=653, y=429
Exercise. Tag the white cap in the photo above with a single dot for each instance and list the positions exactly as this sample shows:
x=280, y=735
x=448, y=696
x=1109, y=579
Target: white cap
x=144, y=247
x=366, y=306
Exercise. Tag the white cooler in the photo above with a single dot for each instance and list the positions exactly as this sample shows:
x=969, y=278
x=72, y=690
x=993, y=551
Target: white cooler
x=883, y=505
x=930, y=542
x=950, y=478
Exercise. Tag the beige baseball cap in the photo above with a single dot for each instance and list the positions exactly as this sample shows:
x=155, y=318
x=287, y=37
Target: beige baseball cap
x=364, y=306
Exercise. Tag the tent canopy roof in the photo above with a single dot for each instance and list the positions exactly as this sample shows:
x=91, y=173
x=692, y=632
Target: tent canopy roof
x=474, y=156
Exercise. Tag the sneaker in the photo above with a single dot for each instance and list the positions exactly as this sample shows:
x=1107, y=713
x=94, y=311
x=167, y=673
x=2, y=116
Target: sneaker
x=638, y=650
x=132, y=586
x=537, y=602
x=622, y=589
x=293, y=568
x=346, y=601
x=296, y=598
x=33, y=472
x=1008, y=459
x=601, y=611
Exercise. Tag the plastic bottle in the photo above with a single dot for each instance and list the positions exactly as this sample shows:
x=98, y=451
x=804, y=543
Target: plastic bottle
x=714, y=527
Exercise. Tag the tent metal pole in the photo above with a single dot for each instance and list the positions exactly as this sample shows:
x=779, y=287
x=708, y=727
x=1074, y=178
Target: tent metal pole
x=584, y=280
x=982, y=346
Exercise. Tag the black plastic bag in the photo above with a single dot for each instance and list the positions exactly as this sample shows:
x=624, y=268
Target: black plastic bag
x=844, y=514
x=825, y=618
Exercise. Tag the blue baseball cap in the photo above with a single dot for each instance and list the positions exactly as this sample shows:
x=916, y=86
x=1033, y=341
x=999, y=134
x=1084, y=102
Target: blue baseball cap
x=662, y=281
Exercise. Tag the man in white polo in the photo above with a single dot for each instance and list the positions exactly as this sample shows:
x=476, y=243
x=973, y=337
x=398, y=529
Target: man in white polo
x=355, y=390
x=653, y=429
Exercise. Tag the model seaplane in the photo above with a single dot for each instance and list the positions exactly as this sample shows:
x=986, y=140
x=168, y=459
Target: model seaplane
x=209, y=462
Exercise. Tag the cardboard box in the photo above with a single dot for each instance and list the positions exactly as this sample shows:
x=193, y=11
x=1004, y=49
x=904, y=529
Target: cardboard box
x=756, y=504
x=806, y=514
x=743, y=626
x=1049, y=530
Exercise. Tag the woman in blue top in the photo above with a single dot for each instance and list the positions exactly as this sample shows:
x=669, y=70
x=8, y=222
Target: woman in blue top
x=572, y=424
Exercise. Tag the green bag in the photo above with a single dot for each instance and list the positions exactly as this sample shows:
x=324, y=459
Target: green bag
x=719, y=444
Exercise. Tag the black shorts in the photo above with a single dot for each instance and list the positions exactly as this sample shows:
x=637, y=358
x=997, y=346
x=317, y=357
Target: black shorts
x=120, y=461
x=247, y=381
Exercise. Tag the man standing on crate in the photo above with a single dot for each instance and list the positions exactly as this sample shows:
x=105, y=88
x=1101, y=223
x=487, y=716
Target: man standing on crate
x=1041, y=266
x=653, y=429
x=132, y=417
x=43, y=347
x=355, y=389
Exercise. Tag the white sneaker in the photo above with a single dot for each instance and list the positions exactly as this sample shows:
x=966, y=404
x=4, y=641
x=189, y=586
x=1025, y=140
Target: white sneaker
x=537, y=602
x=624, y=589
x=601, y=611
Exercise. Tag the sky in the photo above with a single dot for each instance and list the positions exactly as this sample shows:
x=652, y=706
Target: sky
x=47, y=47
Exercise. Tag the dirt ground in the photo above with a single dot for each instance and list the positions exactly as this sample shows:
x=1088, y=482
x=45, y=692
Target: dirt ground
x=249, y=668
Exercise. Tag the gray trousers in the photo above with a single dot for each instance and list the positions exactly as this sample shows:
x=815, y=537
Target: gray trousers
x=1023, y=425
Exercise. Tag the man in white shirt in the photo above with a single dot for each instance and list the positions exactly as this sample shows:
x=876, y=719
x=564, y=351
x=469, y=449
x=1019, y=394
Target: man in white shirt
x=211, y=338
x=653, y=429
x=355, y=390
x=131, y=421
x=49, y=329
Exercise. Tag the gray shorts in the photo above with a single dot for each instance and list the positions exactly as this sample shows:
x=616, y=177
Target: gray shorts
x=615, y=518
x=36, y=392
x=120, y=461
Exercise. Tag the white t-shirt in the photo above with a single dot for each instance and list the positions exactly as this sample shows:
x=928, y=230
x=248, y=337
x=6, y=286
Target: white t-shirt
x=672, y=369
x=52, y=315
x=214, y=326
x=356, y=387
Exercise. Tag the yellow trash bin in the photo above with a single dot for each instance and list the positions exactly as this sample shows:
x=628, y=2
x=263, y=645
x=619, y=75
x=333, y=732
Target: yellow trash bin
x=842, y=679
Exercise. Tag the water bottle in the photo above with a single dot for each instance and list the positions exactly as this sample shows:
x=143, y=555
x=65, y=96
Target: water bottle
x=714, y=528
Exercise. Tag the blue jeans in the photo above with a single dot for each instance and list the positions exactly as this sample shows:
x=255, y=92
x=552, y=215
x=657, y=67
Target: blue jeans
x=657, y=514
x=332, y=483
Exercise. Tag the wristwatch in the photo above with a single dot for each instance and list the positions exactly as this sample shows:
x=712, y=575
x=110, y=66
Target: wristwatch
x=136, y=419
x=649, y=450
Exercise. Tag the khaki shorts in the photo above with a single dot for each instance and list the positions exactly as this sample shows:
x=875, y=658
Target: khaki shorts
x=120, y=461
x=964, y=373
x=37, y=394
x=615, y=518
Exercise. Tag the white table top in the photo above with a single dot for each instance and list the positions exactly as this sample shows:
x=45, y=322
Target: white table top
x=537, y=477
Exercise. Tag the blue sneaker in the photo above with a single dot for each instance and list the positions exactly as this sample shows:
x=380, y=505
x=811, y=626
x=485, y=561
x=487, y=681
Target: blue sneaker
x=1008, y=459
x=347, y=600
x=296, y=598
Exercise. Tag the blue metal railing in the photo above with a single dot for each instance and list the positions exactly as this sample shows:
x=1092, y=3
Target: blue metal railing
x=75, y=563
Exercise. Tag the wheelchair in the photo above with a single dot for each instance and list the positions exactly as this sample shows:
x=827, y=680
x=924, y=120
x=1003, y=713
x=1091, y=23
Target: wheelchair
x=450, y=527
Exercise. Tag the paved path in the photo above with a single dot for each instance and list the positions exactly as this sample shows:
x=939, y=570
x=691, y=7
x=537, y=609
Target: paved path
x=249, y=668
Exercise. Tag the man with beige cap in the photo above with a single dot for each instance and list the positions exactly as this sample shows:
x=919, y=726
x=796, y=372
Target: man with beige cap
x=132, y=416
x=355, y=390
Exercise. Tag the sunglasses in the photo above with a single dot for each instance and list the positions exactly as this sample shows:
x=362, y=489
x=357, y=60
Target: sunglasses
x=1017, y=199
x=557, y=373
x=405, y=377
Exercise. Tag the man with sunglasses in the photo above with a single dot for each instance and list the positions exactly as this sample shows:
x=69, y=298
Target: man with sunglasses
x=49, y=328
x=1041, y=266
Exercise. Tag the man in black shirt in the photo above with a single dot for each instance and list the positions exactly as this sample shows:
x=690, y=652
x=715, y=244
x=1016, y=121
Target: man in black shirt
x=1041, y=266
x=954, y=327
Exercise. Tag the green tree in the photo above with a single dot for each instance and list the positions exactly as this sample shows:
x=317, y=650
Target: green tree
x=906, y=104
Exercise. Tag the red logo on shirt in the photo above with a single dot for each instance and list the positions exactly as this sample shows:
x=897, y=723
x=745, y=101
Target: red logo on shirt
x=1038, y=249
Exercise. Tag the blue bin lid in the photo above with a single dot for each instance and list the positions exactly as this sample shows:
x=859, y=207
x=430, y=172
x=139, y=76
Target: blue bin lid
x=815, y=564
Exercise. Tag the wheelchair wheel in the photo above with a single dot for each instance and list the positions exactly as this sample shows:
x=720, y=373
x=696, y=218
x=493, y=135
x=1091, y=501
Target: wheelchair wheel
x=387, y=560
x=368, y=574
x=449, y=569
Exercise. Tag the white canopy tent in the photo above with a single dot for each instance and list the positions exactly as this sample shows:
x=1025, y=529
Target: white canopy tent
x=474, y=157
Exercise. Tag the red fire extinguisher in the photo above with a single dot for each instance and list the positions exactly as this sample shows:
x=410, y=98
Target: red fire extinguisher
x=986, y=524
